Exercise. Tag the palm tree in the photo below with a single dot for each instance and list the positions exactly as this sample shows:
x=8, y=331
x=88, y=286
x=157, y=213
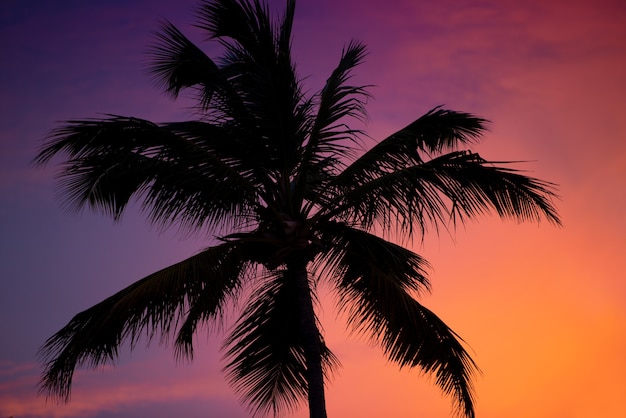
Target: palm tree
x=278, y=176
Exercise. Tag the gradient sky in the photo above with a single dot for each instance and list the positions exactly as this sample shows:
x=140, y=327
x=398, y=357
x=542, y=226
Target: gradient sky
x=542, y=308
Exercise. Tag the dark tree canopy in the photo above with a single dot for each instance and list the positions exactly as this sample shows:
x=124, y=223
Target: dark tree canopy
x=279, y=175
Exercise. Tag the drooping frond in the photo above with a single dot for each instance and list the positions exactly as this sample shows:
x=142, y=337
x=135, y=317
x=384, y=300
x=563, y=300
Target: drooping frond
x=374, y=280
x=265, y=351
x=400, y=266
x=154, y=305
x=180, y=177
x=459, y=185
x=413, y=336
x=475, y=186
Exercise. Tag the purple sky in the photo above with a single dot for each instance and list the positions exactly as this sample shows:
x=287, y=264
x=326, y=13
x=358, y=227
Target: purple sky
x=543, y=308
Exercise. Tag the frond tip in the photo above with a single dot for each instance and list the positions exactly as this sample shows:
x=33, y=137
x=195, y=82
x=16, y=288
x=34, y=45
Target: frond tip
x=375, y=279
x=188, y=293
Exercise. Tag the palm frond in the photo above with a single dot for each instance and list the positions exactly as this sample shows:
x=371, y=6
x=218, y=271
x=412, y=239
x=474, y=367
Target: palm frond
x=246, y=22
x=266, y=358
x=400, y=266
x=337, y=101
x=374, y=279
x=439, y=130
x=475, y=186
x=257, y=62
x=286, y=26
x=329, y=137
x=237, y=149
x=458, y=186
x=177, y=63
x=181, y=178
x=153, y=305
x=413, y=336
x=376, y=181
x=398, y=199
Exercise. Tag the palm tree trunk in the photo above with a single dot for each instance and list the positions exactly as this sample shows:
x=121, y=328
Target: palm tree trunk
x=311, y=344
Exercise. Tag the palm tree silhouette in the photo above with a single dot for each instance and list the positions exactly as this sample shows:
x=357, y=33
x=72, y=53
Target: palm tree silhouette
x=278, y=175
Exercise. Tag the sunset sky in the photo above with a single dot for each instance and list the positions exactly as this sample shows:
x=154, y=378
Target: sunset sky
x=542, y=308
